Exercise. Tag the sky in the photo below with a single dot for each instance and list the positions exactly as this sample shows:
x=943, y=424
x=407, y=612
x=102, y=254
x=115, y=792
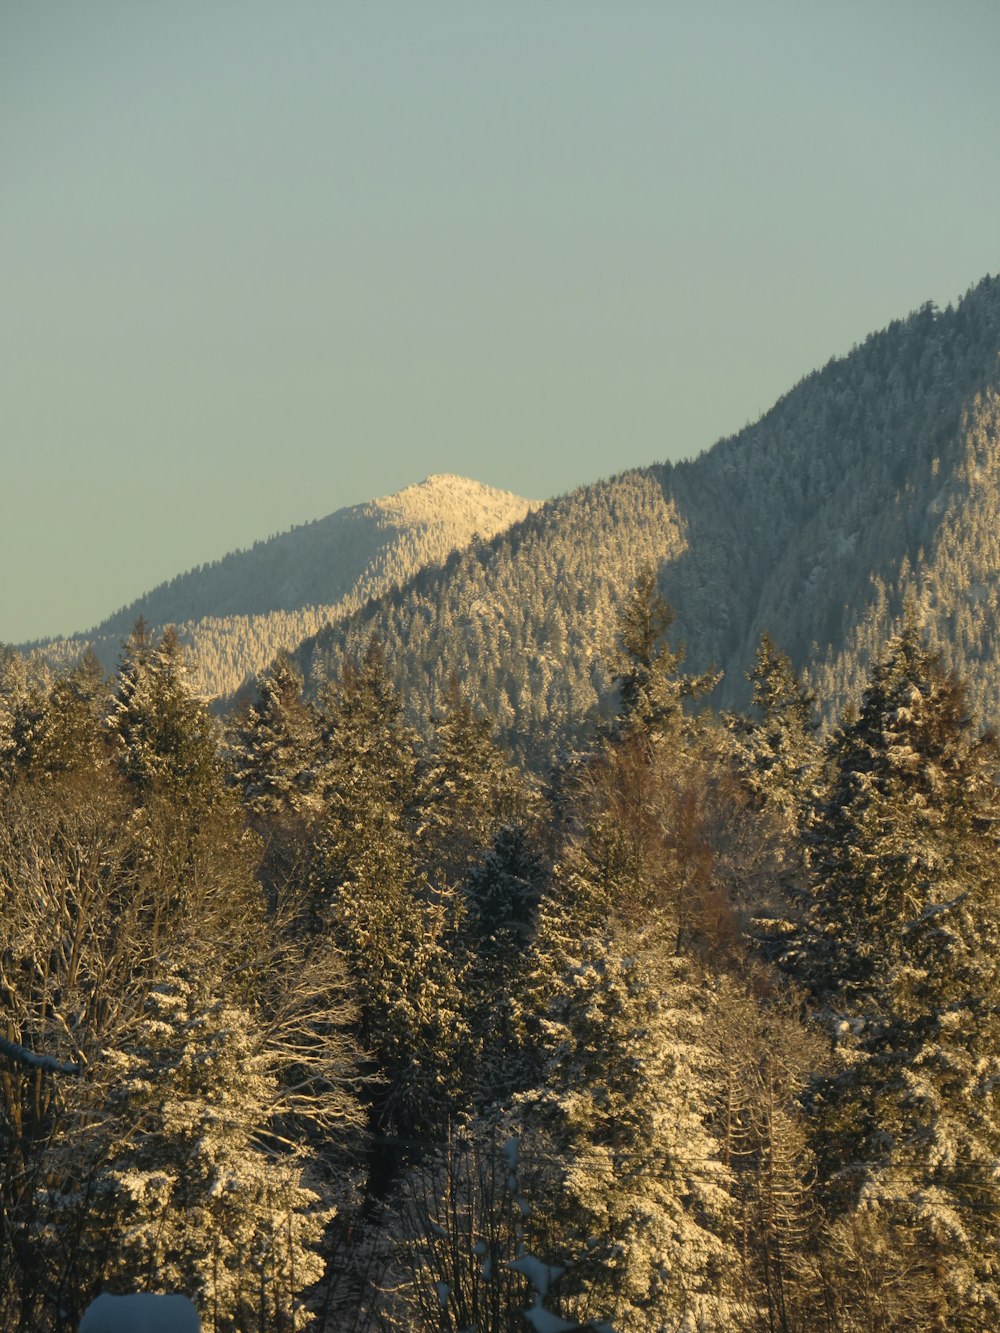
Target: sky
x=259, y=261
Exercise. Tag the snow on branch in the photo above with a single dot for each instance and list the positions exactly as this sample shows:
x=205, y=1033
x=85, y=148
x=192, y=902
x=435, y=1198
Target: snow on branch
x=13, y=1051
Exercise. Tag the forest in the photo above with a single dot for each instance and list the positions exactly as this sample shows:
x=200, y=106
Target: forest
x=333, y=1021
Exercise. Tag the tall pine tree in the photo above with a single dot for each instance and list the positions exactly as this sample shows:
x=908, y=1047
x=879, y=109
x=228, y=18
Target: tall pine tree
x=903, y=951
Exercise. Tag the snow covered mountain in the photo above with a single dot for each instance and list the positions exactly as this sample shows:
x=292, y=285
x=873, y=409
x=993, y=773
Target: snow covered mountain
x=873, y=480
x=236, y=613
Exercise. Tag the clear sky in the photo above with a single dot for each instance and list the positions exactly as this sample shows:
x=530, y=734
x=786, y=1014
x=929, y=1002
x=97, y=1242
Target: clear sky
x=262, y=260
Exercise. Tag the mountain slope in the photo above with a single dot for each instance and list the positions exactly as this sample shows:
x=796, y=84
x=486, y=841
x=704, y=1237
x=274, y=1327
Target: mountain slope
x=875, y=477
x=238, y=611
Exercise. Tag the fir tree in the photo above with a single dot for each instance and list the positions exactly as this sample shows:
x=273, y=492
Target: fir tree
x=467, y=792
x=652, y=689
x=74, y=737
x=903, y=949
x=617, y=1156
x=396, y=935
x=163, y=735
x=778, y=751
x=189, y=1190
x=274, y=744
x=502, y=897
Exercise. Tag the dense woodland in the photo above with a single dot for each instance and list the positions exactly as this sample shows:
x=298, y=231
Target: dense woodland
x=335, y=1022
x=874, y=481
x=235, y=614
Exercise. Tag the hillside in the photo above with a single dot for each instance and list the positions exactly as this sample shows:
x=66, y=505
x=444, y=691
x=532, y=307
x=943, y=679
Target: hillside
x=875, y=477
x=235, y=613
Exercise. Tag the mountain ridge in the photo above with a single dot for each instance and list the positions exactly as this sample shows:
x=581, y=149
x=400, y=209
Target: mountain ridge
x=236, y=612
x=815, y=522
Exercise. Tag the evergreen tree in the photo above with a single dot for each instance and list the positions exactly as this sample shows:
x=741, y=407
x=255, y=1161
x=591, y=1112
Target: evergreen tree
x=764, y=1054
x=502, y=897
x=778, y=751
x=398, y=938
x=23, y=714
x=467, y=792
x=189, y=1190
x=903, y=949
x=74, y=735
x=274, y=744
x=652, y=689
x=164, y=737
x=617, y=1157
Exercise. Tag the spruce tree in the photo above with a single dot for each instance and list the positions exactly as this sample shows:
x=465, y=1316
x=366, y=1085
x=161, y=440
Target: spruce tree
x=397, y=935
x=467, y=792
x=618, y=1162
x=74, y=737
x=273, y=745
x=164, y=738
x=652, y=688
x=502, y=897
x=903, y=950
x=777, y=750
x=190, y=1190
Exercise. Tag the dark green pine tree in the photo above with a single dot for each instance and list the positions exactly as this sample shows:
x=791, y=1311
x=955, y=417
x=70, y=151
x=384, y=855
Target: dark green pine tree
x=502, y=896
x=652, y=688
x=903, y=950
x=273, y=746
x=367, y=890
x=164, y=737
x=467, y=792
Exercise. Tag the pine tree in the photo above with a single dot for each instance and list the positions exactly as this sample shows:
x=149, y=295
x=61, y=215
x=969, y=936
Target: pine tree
x=617, y=1157
x=164, y=737
x=467, y=792
x=764, y=1055
x=903, y=950
x=502, y=897
x=74, y=736
x=274, y=744
x=652, y=689
x=397, y=936
x=778, y=751
x=189, y=1190
x=24, y=715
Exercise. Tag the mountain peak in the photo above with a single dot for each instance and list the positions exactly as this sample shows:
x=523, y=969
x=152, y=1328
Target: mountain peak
x=236, y=613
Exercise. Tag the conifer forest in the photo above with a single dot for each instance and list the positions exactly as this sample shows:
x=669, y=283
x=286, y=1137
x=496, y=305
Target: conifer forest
x=333, y=1018
x=499, y=667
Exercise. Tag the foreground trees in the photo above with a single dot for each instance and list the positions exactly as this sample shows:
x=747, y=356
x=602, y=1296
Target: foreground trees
x=215, y=1072
x=369, y=1036
x=902, y=948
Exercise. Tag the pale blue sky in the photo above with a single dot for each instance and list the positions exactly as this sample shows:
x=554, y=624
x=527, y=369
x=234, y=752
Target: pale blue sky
x=261, y=260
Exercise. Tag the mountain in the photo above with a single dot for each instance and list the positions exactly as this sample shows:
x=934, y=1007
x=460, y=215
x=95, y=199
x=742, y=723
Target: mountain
x=237, y=612
x=874, y=479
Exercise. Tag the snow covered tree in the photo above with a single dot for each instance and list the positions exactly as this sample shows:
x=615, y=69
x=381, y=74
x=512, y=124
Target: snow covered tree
x=777, y=751
x=274, y=744
x=396, y=934
x=163, y=735
x=74, y=735
x=189, y=1191
x=617, y=1158
x=467, y=792
x=652, y=688
x=763, y=1057
x=902, y=948
x=23, y=713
